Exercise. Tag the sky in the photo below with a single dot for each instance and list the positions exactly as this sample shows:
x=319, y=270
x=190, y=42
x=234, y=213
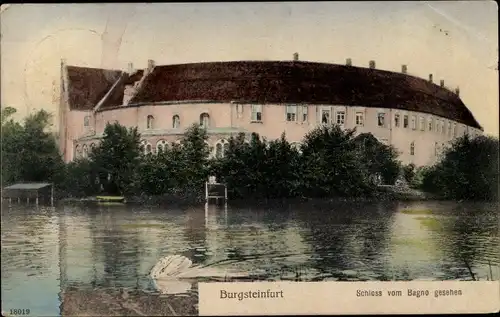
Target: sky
x=455, y=41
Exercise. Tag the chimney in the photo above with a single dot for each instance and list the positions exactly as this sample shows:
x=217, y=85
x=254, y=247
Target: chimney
x=151, y=65
x=441, y=83
x=457, y=91
x=404, y=69
x=430, y=78
x=372, y=64
x=348, y=62
x=295, y=56
x=130, y=68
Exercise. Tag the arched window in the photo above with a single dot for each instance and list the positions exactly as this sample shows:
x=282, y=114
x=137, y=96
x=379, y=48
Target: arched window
x=176, y=122
x=78, y=152
x=210, y=149
x=296, y=146
x=218, y=150
x=221, y=148
x=146, y=147
x=204, y=120
x=161, y=146
x=150, y=122
x=412, y=148
x=85, y=151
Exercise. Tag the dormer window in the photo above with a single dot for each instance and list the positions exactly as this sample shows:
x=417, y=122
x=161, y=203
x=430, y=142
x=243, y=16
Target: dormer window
x=150, y=122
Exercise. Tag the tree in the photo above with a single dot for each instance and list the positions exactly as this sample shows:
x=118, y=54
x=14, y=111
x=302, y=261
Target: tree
x=468, y=170
x=330, y=163
x=29, y=152
x=378, y=159
x=192, y=169
x=116, y=158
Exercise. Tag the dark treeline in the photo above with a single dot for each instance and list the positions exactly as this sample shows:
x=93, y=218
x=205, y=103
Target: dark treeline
x=331, y=162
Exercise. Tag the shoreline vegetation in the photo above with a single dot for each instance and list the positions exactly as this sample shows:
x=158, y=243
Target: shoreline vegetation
x=331, y=164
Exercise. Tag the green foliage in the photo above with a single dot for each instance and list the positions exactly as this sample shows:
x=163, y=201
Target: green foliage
x=29, y=152
x=116, y=158
x=377, y=158
x=409, y=173
x=330, y=164
x=80, y=179
x=468, y=170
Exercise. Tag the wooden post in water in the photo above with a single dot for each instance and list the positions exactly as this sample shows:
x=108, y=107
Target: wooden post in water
x=206, y=191
x=36, y=200
x=18, y=200
x=52, y=195
x=225, y=193
x=27, y=200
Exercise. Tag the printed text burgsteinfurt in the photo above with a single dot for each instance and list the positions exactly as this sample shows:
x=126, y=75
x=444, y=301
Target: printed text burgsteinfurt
x=251, y=294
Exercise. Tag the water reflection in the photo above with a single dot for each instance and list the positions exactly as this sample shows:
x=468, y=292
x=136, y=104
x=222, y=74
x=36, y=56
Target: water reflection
x=45, y=251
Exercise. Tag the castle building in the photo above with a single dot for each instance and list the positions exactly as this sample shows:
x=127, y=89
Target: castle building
x=415, y=115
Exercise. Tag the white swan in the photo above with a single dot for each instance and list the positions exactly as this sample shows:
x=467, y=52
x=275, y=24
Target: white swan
x=169, y=272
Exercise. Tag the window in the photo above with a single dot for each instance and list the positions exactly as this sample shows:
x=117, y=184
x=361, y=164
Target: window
x=413, y=122
x=146, y=147
x=221, y=148
x=422, y=124
x=340, y=117
x=176, y=122
x=218, y=150
x=405, y=121
x=161, y=146
x=359, y=119
x=149, y=122
x=204, y=120
x=396, y=120
x=256, y=113
x=291, y=113
x=304, y=113
x=443, y=130
x=296, y=146
x=85, y=151
x=325, y=116
x=454, y=129
x=86, y=121
x=412, y=148
x=239, y=110
x=78, y=152
x=429, y=123
x=449, y=128
x=381, y=119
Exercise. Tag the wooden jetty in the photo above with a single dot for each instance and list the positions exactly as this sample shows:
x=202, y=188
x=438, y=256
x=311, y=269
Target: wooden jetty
x=29, y=192
x=214, y=190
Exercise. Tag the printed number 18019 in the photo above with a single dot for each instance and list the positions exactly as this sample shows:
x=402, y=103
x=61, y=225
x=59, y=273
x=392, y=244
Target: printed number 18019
x=18, y=312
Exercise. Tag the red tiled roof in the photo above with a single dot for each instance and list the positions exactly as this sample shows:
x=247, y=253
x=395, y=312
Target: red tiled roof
x=298, y=82
x=87, y=86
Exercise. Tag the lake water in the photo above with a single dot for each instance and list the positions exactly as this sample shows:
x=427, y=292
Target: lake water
x=45, y=250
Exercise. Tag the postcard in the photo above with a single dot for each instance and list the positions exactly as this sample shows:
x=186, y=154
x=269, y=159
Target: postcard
x=270, y=158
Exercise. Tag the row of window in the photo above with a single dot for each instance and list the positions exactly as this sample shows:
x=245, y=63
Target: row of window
x=84, y=150
x=300, y=113
x=438, y=148
x=437, y=125
x=218, y=151
x=220, y=148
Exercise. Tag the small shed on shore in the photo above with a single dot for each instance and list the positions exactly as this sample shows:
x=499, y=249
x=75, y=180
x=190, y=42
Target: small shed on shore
x=30, y=192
